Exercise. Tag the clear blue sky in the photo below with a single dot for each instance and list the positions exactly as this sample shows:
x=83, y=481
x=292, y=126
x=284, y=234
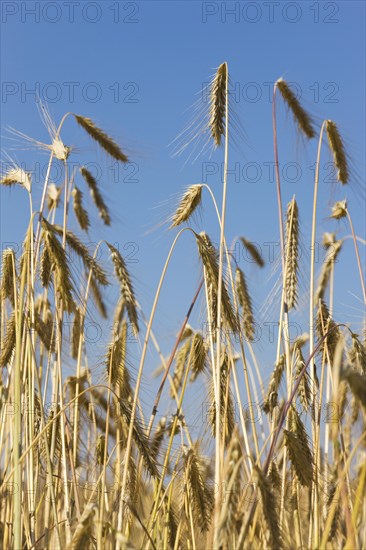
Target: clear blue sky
x=135, y=67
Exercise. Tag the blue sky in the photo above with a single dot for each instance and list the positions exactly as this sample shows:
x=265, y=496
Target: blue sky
x=134, y=68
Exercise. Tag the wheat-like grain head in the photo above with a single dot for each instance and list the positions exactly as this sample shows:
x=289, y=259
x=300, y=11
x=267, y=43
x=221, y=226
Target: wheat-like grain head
x=304, y=390
x=338, y=151
x=298, y=445
x=339, y=210
x=45, y=330
x=139, y=436
x=181, y=364
x=209, y=259
x=126, y=286
x=96, y=195
x=16, y=175
x=58, y=261
x=81, y=250
x=253, y=251
x=8, y=342
x=53, y=196
x=81, y=214
x=271, y=399
x=105, y=141
x=7, y=275
x=199, y=358
x=326, y=325
x=158, y=437
x=245, y=302
x=76, y=332
x=229, y=515
x=357, y=384
x=98, y=298
x=334, y=247
x=292, y=253
x=116, y=364
x=189, y=202
x=60, y=151
x=217, y=107
x=227, y=407
x=301, y=117
x=357, y=354
x=200, y=491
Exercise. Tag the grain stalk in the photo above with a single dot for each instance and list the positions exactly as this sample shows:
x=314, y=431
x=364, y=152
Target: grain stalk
x=313, y=535
x=17, y=430
x=357, y=256
x=222, y=92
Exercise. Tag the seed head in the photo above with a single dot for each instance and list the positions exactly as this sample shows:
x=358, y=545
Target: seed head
x=16, y=175
x=338, y=151
x=300, y=115
x=60, y=150
x=190, y=200
x=339, y=210
x=105, y=141
x=218, y=104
